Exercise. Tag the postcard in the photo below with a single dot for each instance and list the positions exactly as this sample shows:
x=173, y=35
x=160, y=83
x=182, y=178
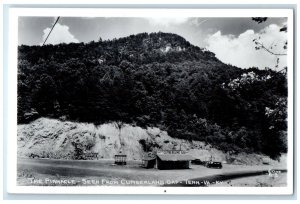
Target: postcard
x=150, y=101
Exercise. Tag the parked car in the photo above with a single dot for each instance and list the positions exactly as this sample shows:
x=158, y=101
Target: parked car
x=34, y=156
x=266, y=161
x=197, y=161
x=213, y=164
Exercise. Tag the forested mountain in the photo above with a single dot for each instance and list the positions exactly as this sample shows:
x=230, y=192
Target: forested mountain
x=160, y=80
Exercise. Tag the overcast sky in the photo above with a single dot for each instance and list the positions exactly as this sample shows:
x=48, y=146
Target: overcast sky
x=231, y=39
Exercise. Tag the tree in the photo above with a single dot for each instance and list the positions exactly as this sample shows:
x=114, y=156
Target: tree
x=259, y=45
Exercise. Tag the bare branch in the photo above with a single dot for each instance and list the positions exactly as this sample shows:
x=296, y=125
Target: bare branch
x=268, y=50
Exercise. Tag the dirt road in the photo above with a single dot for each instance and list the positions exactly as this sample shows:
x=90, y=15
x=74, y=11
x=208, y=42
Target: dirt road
x=101, y=170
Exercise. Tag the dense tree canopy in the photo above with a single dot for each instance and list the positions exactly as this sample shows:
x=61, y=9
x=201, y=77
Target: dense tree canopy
x=156, y=79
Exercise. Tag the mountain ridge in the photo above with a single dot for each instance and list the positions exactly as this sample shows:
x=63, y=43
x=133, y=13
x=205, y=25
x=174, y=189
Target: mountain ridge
x=156, y=80
x=141, y=47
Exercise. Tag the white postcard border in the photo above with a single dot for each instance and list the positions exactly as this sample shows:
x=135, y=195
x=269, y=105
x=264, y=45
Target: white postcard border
x=11, y=136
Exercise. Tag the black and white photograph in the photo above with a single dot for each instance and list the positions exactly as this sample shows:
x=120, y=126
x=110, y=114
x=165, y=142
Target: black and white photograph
x=154, y=101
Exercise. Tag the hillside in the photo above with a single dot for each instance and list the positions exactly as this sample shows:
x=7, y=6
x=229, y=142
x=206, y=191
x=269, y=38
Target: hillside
x=156, y=80
x=50, y=138
x=53, y=138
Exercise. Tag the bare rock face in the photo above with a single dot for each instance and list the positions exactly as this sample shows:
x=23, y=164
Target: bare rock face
x=51, y=138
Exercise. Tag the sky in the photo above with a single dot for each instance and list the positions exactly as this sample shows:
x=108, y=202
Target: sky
x=231, y=39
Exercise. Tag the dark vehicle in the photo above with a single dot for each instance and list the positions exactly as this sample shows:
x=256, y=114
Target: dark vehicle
x=34, y=156
x=212, y=164
x=197, y=161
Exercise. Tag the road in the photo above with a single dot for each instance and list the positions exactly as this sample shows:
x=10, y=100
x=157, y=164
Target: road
x=74, y=167
x=104, y=169
x=215, y=179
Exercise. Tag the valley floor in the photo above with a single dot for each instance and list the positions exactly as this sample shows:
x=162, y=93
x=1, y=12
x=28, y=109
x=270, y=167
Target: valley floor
x=51, y=172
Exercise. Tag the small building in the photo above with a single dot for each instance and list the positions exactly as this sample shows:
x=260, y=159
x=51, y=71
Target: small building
x=149, y=161
x=120, y=159
x=91, y=155
x=174, y=161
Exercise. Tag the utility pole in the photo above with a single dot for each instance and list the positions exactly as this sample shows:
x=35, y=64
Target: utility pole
x=51, y=30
